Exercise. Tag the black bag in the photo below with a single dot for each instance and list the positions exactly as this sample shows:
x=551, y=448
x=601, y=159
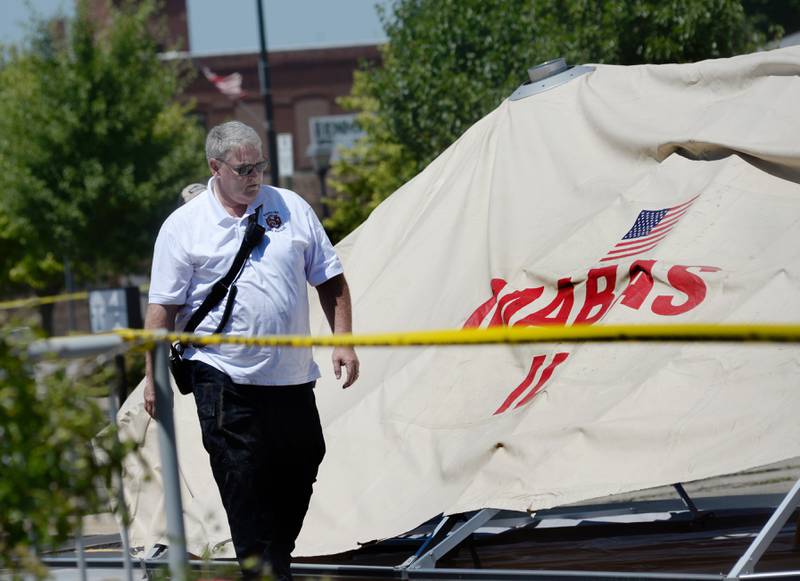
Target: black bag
x=181, y=368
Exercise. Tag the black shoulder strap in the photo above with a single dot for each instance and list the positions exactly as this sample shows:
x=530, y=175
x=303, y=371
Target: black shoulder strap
x=252, y=238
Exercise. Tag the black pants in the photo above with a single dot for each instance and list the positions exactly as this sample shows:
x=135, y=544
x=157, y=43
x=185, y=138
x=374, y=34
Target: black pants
x=265, y=444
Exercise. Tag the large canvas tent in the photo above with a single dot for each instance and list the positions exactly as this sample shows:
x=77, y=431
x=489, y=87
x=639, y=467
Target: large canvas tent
x=638, y=194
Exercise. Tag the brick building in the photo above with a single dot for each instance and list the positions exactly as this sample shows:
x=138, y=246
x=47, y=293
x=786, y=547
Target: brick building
x=305, y=84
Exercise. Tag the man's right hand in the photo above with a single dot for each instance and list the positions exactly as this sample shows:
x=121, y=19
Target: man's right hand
x=150, y=396
x=157, y=317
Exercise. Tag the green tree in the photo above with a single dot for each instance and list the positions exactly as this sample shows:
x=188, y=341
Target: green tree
x=773, y=19
x=57, y=455
x=448, y=63
x=94, y=149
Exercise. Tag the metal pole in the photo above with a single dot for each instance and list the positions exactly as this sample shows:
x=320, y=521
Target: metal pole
x=69, y=285
x=749, y=560
x=72, y=347
x=429, y=559
x=687, y=500
x=266, y=93
x=323, y=192
x=176, y=536
x=79, y=548
x=115, y=400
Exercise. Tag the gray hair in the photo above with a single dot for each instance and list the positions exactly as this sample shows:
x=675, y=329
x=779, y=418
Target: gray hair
x=224, y=138
x=192, y=191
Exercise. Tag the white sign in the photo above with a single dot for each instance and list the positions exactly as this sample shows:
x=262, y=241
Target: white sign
x=285, y=155
x=114, y=309
x=337, y=130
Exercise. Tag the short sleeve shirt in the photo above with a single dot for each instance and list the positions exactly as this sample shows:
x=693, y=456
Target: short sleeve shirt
x=196, y=246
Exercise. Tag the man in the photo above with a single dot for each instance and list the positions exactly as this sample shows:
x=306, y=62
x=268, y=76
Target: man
x=255, y=405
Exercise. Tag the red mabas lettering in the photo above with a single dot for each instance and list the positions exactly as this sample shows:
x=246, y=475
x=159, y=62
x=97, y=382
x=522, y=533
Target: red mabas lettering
x=546, y=374
x=640, y=283
x=561, y=305
x=513, y=302
x=595, y=297
x=686, y=282
x=475, y=319
x=536, y=364
x=597, y=302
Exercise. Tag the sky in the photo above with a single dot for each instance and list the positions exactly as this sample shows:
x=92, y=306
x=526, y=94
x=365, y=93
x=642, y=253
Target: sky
x=231, y=26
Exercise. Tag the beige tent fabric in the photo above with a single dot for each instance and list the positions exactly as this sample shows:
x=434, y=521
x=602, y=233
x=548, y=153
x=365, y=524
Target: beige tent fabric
x=204, y=518
x=524, y=221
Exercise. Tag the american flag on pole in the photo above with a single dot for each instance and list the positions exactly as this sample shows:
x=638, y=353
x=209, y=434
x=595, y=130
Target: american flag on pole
x=649, y=228
x=230, y=85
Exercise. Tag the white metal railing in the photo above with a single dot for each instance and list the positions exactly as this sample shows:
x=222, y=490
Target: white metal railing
x=91, y=345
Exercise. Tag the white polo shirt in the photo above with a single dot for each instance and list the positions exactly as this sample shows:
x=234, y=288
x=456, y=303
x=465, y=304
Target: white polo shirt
x=196, y=246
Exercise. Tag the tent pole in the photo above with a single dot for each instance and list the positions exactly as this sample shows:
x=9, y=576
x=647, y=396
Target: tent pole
x=687, y=500
x=429, y=559
x=747, y=563
x=444, y=526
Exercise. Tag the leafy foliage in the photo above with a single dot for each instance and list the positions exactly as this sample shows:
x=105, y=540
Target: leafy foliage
x=774, y=18
x=449, y=62
x=94, y=147
x=51, y=431
x=367, y=172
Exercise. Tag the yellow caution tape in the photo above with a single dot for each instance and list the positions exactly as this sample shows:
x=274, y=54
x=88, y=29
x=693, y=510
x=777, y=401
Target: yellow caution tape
x=576, y=334
x=49, y=300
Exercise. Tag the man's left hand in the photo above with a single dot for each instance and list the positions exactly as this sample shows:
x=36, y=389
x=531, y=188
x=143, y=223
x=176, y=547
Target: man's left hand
x=345, y=356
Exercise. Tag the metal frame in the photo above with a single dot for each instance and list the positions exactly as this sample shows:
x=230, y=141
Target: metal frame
x=168, y=451
x=85, y=346
x=438, y=550
x=687, y=500
x=444, y=541
x=551, y=82
x=114, y=402
x=81, y=551
x=323, y=571
x=428, y=558
x=747, y=562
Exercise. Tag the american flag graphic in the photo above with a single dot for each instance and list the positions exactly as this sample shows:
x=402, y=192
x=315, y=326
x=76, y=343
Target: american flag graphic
x=650, y=227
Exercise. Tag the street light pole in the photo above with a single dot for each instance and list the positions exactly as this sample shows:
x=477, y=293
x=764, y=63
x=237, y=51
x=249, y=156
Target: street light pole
x=323, y=192
x=266, y=94
x=320, y=154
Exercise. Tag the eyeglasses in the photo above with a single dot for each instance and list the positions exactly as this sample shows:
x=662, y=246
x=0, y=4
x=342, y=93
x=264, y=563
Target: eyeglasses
x=247, y=169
